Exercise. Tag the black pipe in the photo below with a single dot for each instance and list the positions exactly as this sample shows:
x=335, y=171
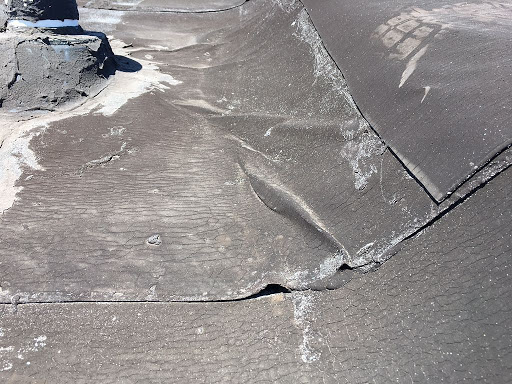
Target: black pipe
x=38, y=10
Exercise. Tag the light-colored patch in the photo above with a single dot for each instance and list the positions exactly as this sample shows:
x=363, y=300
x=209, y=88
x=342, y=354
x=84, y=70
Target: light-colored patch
x=294, y=279
x=244, y=145
x=16, y=134
x=10, y=354
x=366, y=258
x=117, y=131
x=100, y=19
x=203, y=104
x=277, y=298
x=152, y=296
x=360, y=153
x=39, y=342
x=406, y=47
x=287, y=5
x=159, y=47
x=377, y=253
x=330, y=266
x=5, y=363
x=130, y=3
x=302, y=314
x=15, y=155
x=128, y=85
x=411, y=65
x=303, y=278
x=42, y=24
x=427, y=90
x=324, y=66
x=408, y=34
x=364, y=249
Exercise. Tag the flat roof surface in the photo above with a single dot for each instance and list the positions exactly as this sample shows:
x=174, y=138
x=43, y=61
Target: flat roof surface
x=223, y=211
x=433, y=78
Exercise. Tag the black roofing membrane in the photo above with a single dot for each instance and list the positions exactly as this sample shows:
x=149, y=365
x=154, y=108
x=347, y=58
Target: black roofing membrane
x=433, y=78
x=225, y=155
x=205, y=213
x=36, y=10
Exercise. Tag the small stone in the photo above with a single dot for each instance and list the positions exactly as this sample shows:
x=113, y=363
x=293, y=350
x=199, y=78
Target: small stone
x=154, y=240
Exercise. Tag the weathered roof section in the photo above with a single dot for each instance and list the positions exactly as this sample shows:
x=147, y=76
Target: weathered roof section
x=143, y=231
x=438, y=311
x=433, y=78
x=163, y=5
x=225, y=155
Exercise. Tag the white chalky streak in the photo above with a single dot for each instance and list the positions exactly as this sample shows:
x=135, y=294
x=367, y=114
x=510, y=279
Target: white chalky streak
x=42, y=23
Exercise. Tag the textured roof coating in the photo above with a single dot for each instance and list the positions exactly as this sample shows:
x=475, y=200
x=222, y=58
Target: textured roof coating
x=228, y=138
x=225, y=155
x=434, y=78
x=439, y=311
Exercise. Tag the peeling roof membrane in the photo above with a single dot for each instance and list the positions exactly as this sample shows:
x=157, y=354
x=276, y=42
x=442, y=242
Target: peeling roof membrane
x=235, y=209
x=234, y=140
x=199, y=219
x=433, y=78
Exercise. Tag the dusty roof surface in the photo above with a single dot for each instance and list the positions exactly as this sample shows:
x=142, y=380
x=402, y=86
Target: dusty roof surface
x=224, y=210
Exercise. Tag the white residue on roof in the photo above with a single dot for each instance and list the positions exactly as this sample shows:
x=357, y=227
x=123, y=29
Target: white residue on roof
x=100, y=19
x=360, y=152
x=15, y=155
x=15, y=135
x=39, y=342
x=302, y=313
x=6, y=365
x=42, y=23
x=287, y=5
x=324, y=65
x=128, y=85
x=302, y=279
